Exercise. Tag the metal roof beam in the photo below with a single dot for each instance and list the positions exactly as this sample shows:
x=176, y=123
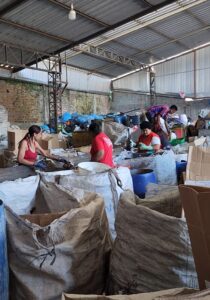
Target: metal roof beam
x=27, y=28
x=109, y=55
x=17, y=57
x=11, y=6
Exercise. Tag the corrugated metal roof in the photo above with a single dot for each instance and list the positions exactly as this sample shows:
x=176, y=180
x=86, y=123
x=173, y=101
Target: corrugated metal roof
x=94, y=65
x=108, y=11
x=143, y=39
x=138, y=30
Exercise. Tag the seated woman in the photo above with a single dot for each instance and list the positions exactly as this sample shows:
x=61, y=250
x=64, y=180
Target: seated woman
x=29, y=148
x=148, y=140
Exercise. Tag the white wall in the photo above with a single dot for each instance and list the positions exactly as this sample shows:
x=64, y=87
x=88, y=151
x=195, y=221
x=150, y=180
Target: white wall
x=77, y=79
x=136, y=82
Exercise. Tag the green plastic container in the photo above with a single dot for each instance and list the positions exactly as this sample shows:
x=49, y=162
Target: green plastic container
x=177, y=142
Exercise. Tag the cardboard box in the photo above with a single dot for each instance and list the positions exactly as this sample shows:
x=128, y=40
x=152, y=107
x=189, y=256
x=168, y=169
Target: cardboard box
x=81, y=138
x=49, y=141
x=14, y=137
x=62, y=144
x=198, y=164
x=196, y=204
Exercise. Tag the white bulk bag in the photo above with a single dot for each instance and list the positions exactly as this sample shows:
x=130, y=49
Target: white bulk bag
x=19, y=194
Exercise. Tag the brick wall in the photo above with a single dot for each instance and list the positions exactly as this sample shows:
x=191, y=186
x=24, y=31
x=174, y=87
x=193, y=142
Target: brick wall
x=27, y=103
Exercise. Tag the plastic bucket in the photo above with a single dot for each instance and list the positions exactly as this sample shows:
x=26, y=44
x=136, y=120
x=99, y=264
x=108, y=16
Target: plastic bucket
x=4, y=281
x=141, y=178
x=92, y=167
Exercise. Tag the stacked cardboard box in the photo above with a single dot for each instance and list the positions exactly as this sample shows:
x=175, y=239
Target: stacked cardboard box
x=51, y=141
x=81, y=138
x=14, y=137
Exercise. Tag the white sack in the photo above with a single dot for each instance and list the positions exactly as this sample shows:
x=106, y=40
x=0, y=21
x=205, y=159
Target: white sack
x=118, y=133
x=164, y=166
x=58, y=252
x=151, y=252
x=19, y=194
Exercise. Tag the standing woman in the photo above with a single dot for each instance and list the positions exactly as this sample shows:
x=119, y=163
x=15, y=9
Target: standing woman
x=29, y=147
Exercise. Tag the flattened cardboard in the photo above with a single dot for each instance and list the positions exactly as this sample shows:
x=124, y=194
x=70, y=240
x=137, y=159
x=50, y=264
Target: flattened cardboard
x=196, y=204
x=198, y=164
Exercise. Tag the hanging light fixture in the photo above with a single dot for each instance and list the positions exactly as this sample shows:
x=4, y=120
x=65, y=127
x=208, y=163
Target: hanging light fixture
x=72, y=13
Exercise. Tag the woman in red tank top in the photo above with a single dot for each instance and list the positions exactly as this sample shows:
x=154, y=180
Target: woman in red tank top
x=28, y=147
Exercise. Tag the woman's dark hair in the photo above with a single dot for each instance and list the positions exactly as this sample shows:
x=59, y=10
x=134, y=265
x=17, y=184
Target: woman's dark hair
x=174, y=107
x=146, y=125
x=33, y=129
x=95, y=127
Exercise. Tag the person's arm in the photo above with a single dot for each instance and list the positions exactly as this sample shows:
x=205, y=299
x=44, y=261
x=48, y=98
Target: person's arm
x=98, y=156
x=21, y=153
x=45, y=153
x=98, y=153
x=156, y=143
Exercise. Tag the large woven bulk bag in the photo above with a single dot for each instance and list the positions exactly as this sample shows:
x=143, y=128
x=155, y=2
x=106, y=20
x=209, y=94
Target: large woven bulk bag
x=152, y=251
x=57, y=198
x=163, y=198
x=52, y=253
x=104, y=184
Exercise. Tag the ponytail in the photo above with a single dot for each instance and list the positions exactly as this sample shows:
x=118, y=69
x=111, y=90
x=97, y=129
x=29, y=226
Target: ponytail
x=33, y=129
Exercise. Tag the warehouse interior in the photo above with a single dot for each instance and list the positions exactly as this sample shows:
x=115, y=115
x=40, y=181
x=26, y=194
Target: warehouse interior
x=104, y=149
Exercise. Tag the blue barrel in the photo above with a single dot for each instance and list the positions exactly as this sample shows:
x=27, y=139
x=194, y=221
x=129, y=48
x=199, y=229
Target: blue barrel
x=180, y=167
x=141, y=179
x=120, y=119
x=4, y=280
x=135, y=120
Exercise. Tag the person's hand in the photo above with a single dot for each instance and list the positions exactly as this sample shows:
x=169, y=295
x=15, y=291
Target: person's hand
x=142, y=146
x=63, y=160
x=40, y=165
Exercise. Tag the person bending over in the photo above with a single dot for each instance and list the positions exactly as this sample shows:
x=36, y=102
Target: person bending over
x=148, y=140
x=102, y=148
x=163, y=110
